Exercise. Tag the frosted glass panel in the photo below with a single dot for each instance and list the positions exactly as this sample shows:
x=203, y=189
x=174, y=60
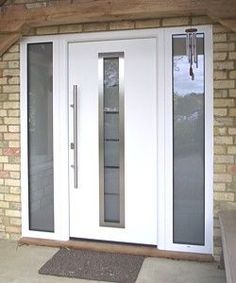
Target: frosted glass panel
x=111, y=126
x=112, y=180
x=111, y=140
x=112, y=208
x=111, y=154
x=40, y=137
x=189, y=150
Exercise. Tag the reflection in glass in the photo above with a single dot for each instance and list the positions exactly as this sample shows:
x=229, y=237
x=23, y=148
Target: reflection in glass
x=40, y=137
x=188, y=140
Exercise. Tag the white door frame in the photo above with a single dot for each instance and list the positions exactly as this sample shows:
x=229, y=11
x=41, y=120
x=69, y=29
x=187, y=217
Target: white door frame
x=61, y=137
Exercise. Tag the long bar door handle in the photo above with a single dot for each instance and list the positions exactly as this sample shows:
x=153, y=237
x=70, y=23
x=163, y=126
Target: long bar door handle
x=75, y=134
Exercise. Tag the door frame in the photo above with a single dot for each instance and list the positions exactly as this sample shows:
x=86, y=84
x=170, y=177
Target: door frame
x=61, y=134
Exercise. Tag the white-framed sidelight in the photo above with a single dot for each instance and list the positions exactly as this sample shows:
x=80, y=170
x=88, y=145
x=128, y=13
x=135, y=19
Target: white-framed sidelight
x=61, y=140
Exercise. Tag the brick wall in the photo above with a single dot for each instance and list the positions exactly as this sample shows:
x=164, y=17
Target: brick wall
x=224, y=111
x=10, y=203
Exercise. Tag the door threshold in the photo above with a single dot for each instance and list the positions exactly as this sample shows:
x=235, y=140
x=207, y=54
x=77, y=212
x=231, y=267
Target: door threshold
x=132, y=249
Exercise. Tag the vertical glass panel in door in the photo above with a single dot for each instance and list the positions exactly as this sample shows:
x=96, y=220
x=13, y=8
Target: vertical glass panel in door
x=188, y=144
x=40, y=137
x=111, y=140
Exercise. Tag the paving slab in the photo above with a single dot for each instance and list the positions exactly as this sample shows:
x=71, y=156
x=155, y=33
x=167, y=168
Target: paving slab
x=21, y=265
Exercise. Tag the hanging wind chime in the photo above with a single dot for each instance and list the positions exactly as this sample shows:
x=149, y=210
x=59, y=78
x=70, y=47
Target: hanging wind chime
x=191, y=49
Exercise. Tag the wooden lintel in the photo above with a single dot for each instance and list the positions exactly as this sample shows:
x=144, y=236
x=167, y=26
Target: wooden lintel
x=229, y=23
x=6, y=41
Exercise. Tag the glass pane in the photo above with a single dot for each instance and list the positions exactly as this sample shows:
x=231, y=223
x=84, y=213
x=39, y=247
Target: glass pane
x=111, y=84
x=111, y=151
x=112, y=180
x=111, y=140
x=40, y=137
x=111, y=126
x=188, y=135
x=112, y=208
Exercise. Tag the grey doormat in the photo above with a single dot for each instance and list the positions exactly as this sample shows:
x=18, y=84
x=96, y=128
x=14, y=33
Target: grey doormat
x=92, y=265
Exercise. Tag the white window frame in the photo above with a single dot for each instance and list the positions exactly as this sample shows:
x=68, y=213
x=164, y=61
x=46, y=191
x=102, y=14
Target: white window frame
x=166, y=239
x=164, y=131
x=60, y=144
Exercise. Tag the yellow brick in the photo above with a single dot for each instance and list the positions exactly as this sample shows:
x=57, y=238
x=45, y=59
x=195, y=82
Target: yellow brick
x=11, y=56
x=14, y=81
x=219, y=187
x=12, y=182
x=219, y=28
x=148, y=23
x=47, y=30
x=220, y=131
x=11, y=105
x=224, y=159
x=11, y=88
x=219, y=168
x=3, y=159
x=223, y=102
x=15, y=198
x=12, y=167
x=231, y=150
x=15, y=190
x=11, y=121
x=224, y=46
x=223, y=196
x=14, y=129
x=220, y=112
x=70, y=28
x=3, y=113
x=232, y=131
x=224, y=65
x=14, y=144
x=220, y=37
x=11, y=72
x=232, y=112
x=219, y=93
x=13, y=64
x=12, y=213
x=232, y=74
x=232, y=55
x=14, y=96
x=223, y=140
x=223, y=84
x=1, y=198
x=222, y=178
x=3, y=81
x=232, y=93
x=15, y=221
x=220, y=75
x=179, y=21
x=14, y=48
x=3, y=129
x=121, y=25
x=219, y=149
x=15, y=175
x=12, y=136
x=95, y=27
x=13, y=229
x=4, y=204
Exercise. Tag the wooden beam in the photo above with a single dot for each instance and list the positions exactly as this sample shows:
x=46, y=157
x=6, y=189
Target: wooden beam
x=7, y=40
x=2, y=2
x=229, y=23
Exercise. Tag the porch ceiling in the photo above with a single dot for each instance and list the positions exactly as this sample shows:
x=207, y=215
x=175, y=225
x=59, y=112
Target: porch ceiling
x=15, y=20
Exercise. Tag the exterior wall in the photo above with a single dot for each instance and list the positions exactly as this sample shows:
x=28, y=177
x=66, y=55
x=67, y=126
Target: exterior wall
x=224, y=109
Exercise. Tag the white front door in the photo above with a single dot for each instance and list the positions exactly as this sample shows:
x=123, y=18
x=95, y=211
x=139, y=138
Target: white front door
x=113, y=140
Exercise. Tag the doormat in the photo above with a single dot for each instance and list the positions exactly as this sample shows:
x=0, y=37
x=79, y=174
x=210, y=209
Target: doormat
x=92, y=265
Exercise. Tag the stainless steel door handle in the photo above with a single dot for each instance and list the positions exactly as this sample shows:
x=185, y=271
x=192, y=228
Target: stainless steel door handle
x=75, y=134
